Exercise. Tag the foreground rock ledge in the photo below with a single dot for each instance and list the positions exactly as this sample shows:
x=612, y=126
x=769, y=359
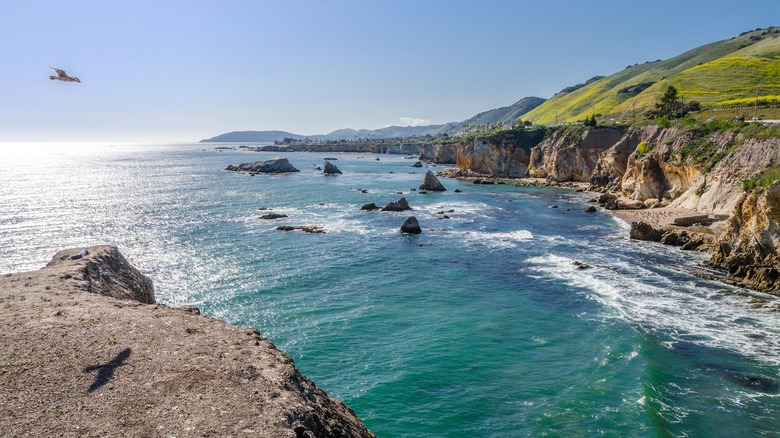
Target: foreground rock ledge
x=76, y=363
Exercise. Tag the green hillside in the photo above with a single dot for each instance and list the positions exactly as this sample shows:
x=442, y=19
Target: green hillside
x=721, y=74
x=507, y=115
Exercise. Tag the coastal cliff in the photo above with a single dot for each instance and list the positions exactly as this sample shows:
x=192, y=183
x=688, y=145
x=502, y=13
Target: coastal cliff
x=697, y=169
x=503, y=154
x=85, y=352
x=571, y=154
x=749, y=247
x=440, y=153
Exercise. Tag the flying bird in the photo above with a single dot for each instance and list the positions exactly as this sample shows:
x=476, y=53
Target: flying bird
x=62, y=76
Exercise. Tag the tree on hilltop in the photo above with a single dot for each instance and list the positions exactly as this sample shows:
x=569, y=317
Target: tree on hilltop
x=667, y=105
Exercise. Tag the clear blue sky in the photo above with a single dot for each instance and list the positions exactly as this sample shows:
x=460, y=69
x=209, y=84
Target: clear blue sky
x=167, y=71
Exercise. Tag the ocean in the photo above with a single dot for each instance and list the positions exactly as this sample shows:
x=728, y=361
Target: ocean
x=482, y=325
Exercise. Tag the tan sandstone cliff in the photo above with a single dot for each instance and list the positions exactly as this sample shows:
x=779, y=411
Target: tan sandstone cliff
x=696, y=168
x=748, y=248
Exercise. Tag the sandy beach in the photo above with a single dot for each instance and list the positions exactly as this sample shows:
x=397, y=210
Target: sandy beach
x=663, y=218
x=656, y=217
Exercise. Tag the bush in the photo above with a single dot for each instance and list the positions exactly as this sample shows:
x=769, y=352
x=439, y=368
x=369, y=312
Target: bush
x=763, y=179
x=663, y=122
x=643, y=148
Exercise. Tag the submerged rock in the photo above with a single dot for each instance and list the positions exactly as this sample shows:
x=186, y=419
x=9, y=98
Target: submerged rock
x=432, y=183
x=417, y=164
x=411, y=226
x=580, y=265
x=305, y=228
x=370, y=207
x=271, y=216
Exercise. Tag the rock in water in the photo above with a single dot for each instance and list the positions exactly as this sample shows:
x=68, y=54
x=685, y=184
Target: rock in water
x=400, y=205
x=644, y=231
x=271, y=216
x=411, y=226
x=274, y=165
x=305, y=228
x=417, y=164
x=432, y=183
x=331, y=169
x=369, y=207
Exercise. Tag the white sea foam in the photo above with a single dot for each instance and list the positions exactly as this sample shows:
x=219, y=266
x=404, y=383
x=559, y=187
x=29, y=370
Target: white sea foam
x=682, y=310
x=493, y=240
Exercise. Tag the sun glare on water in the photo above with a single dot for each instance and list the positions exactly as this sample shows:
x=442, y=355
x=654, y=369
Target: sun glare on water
x=37, y=149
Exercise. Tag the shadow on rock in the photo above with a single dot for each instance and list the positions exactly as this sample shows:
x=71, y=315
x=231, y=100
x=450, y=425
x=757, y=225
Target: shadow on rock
x=105, y=372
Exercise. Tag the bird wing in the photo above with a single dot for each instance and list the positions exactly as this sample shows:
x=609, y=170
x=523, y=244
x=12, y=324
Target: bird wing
x=60, y=73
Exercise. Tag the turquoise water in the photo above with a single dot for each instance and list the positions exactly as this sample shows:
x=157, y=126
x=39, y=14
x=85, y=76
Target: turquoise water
x=480, y=326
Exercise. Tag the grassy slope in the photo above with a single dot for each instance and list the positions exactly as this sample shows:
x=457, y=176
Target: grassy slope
x=718, y=74
x=508, y=114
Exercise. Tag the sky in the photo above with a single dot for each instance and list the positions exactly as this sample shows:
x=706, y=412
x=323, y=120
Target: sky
x=180, y=71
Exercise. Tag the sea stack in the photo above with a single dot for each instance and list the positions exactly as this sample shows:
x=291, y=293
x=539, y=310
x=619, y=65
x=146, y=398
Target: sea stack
x=274, y=165
x=331, y=169
x=431, y=183
x=411, y=226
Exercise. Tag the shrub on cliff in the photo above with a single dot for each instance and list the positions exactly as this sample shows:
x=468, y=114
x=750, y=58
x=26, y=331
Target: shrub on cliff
x=763, y=179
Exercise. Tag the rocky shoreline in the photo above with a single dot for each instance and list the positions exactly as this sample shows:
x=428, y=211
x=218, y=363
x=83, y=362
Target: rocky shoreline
x=681, y=227
x=85, y=351
x=693, y=176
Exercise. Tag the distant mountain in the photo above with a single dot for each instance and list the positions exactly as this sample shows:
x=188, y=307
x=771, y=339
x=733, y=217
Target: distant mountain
x=340, y=134
x=507, y=114
x=387, y=132
x=721, y=74
x=252, y=137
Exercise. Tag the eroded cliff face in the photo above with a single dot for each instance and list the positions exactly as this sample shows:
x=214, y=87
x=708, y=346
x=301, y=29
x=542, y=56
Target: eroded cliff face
x=748, y=248
x=571, y=155
x=613, y=162
x=682, y=167
x=676, y=167
x=719, y=191
x=505, y=154
x=485, y=157
x=657, y=176
x=446, y=153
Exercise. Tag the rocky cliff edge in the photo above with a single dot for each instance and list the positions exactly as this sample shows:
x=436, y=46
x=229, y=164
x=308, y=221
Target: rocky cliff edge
x=84, y=352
